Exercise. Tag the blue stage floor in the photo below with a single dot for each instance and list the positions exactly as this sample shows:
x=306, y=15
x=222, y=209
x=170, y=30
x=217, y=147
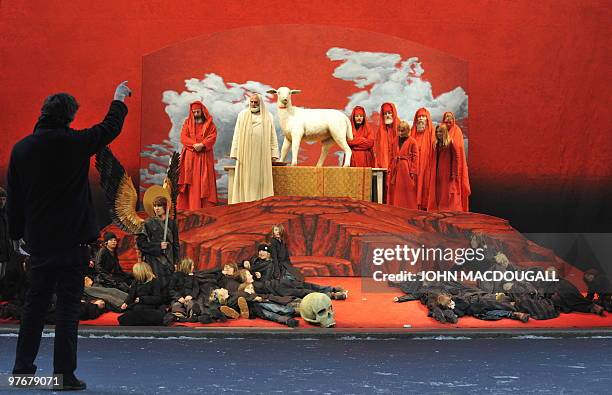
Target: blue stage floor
x=459, y=365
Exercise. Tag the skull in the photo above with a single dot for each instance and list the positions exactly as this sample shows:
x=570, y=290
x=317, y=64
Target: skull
x=317, y=309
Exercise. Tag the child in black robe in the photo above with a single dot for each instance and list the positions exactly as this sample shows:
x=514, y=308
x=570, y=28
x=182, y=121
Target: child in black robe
x=277, y=239
x=185, y=293
x=162, y=255
x=279, y=309
x=568, y=298
x=231, y=306
x=598, y=285
x=262, y=265
x=108, y=271
x=143, y=305
x=226, y=277
x=290, y=288
x=526, y=299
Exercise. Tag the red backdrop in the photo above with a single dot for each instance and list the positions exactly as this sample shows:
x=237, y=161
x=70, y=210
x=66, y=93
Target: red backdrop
x=539, y=76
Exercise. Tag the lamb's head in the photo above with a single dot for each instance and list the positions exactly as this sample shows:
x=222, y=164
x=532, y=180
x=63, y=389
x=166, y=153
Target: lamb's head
x=283, y=96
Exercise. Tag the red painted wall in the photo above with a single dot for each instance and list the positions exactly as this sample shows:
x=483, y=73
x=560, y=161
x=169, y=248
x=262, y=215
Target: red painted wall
x=538, y=77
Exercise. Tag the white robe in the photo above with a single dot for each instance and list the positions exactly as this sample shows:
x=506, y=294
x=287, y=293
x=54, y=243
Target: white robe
x=254, y=145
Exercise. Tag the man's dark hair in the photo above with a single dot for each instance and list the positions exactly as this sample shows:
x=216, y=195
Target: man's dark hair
x=58, y=109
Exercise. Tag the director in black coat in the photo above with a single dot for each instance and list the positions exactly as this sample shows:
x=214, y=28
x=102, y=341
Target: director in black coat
x=50, y=207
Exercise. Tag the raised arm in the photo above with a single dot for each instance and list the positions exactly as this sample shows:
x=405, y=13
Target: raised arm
x=102, y=134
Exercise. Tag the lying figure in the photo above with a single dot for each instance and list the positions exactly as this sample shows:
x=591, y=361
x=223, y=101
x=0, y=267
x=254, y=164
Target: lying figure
x=231, y=306
x=274, y=308
x=447, y=301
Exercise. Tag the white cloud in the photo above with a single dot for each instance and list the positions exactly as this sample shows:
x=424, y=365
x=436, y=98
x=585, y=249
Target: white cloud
x=386, y=77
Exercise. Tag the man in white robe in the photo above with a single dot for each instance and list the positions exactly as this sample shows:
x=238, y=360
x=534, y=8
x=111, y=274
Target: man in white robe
x=255, y=147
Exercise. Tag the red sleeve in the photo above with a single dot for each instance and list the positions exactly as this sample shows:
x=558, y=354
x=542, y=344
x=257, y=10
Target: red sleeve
x=456, y=160
x=210, y=137
x=362, y=143
x=414, y=159
x=187, y=141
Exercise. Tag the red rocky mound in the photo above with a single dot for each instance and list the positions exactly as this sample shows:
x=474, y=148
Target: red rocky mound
x=337, y=236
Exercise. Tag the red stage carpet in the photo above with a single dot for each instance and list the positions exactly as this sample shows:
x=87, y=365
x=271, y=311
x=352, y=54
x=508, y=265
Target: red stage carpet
x=377, y=310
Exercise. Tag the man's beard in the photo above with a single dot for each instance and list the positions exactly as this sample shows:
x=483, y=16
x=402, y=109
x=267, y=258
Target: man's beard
x=420, y=126
x=199, y=119
x=255, y=110
x=388, y=120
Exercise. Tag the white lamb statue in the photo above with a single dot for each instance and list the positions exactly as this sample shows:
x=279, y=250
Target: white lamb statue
x=324, y=125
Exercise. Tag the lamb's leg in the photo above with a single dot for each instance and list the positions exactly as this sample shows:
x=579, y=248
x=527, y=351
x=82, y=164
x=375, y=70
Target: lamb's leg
x=296, y=139
x=340, y=139
x=324, y=150
x=285, y=149
x=347, y=153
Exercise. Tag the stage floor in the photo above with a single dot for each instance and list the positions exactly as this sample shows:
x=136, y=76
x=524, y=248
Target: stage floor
x=376, y=310
x=332, y=366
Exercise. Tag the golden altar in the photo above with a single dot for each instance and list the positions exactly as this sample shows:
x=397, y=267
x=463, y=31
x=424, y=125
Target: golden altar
x=309, y=181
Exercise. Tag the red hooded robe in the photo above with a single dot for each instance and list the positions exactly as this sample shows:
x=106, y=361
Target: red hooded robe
x=456, y=135
x=197, y=178
x=386, y=145
x=444, y=187
x=362, y=143
x=403, y=176
x=425, y=142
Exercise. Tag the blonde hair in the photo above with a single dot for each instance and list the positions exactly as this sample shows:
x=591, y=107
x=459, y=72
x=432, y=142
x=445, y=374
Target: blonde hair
x=185, y=266
x=216, y=297
x=445, y=136
x=143, y=272
x=403, y=125
x=443, y=300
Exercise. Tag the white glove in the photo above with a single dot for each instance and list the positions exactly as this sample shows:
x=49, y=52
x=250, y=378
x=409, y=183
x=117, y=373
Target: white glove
x=122, y=91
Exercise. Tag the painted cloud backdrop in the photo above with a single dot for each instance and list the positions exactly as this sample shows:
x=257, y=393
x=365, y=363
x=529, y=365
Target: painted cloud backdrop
x=379, y=76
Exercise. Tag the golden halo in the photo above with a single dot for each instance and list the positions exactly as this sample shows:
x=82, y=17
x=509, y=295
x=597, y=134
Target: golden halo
x=153, y=192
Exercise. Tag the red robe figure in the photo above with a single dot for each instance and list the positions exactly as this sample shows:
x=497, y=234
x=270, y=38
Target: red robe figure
x=403, y=172
x=444, y=190
x=456, y=136
x=197, y=178
x=386, y=140
x=424, y=135
x=363, y=140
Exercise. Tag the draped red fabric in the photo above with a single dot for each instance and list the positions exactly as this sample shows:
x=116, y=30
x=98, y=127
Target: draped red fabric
x=363, y=141
x=425, y=141
x=444, y=191
x=403, y=176
x=386, y=145
x=456, y=136
x=197, y=178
